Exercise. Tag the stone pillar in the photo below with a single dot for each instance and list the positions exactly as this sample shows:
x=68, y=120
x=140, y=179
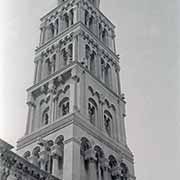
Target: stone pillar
x=83, y=99
x=42, y=36
x=73, y=91
x=101, y=113
x=38, y=61
x=75, y=11
x=81, y=13
x=81, y=48
x=72, y=168
x=75, y=48
x=91, y=157
x=51, y=103
x=57, y=155
x=114, y=43
x=36, y=72
x=117, y=70
x=60, y=23
x=31, y=106
x=123, y=115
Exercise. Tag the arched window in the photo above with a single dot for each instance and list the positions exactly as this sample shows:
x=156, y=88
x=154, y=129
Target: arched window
x=64, y=57
x=86, y=17
x=70, y=53
x=71, y=17
x=108, y=122
x=52, y=30
x=104, y=36
x=124, y=171
x=47, y=67
x=92, y=63
x=45, y=117
x=91, y=23
x=92, y=111
x=63, y=108
x=57, y=26
x=66, y=20
x=102, y=69
x=107, y=75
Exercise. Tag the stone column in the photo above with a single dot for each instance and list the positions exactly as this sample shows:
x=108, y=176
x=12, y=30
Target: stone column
x=73, y=91
x=38, y=61
x=42, y=36
x=75, y=48
x=36, y=72
x=91, y=157
x=105, y=167
x=75, y=11
x=72, y=168
x=57, y=154
x=101, y=113
x=51, y=91
x=60, y=23
x=81, y=13
x=117, y=70
x=31, y=106
x=81, y=48
x=83, y=99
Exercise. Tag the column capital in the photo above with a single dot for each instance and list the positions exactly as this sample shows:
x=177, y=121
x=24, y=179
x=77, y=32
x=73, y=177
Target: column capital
x=90, y=155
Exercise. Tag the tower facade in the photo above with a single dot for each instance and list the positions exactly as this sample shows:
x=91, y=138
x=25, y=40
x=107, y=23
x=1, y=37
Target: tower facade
x=75, y=128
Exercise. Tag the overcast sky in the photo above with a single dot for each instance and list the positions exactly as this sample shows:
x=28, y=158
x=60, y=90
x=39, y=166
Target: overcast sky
x=148, y=43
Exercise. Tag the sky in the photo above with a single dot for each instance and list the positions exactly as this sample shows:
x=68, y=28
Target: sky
x=147, y=39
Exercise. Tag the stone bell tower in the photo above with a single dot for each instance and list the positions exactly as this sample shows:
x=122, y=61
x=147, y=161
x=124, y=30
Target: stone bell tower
x=75, y=128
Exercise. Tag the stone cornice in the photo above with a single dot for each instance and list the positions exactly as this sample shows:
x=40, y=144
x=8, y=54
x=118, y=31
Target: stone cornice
x=82, y=122
x=78, y=26
x=52, y=77
x=55, y=126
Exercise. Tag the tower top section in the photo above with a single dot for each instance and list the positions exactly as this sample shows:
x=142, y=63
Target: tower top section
x=96, y=3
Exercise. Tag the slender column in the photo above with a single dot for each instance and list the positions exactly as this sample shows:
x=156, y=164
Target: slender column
x=114, y=43
x=101, y=114
x=123, y=114
x=71, y=169
x=36, y=72
x=98, y=64
x=81, y=52
x=73, y=91
x=42, y=36
x=31, y=105
x=118, y=80
x=52, y=106
x=75, y=15
x=75, y=48
x=114, y=78
x=38, y=62
x=57, y=155
x=70, y=16
x=83, y=101
x=91, y=157
x=81, y=13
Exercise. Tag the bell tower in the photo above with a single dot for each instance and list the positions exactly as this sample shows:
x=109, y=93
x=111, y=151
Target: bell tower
x=76, y=119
